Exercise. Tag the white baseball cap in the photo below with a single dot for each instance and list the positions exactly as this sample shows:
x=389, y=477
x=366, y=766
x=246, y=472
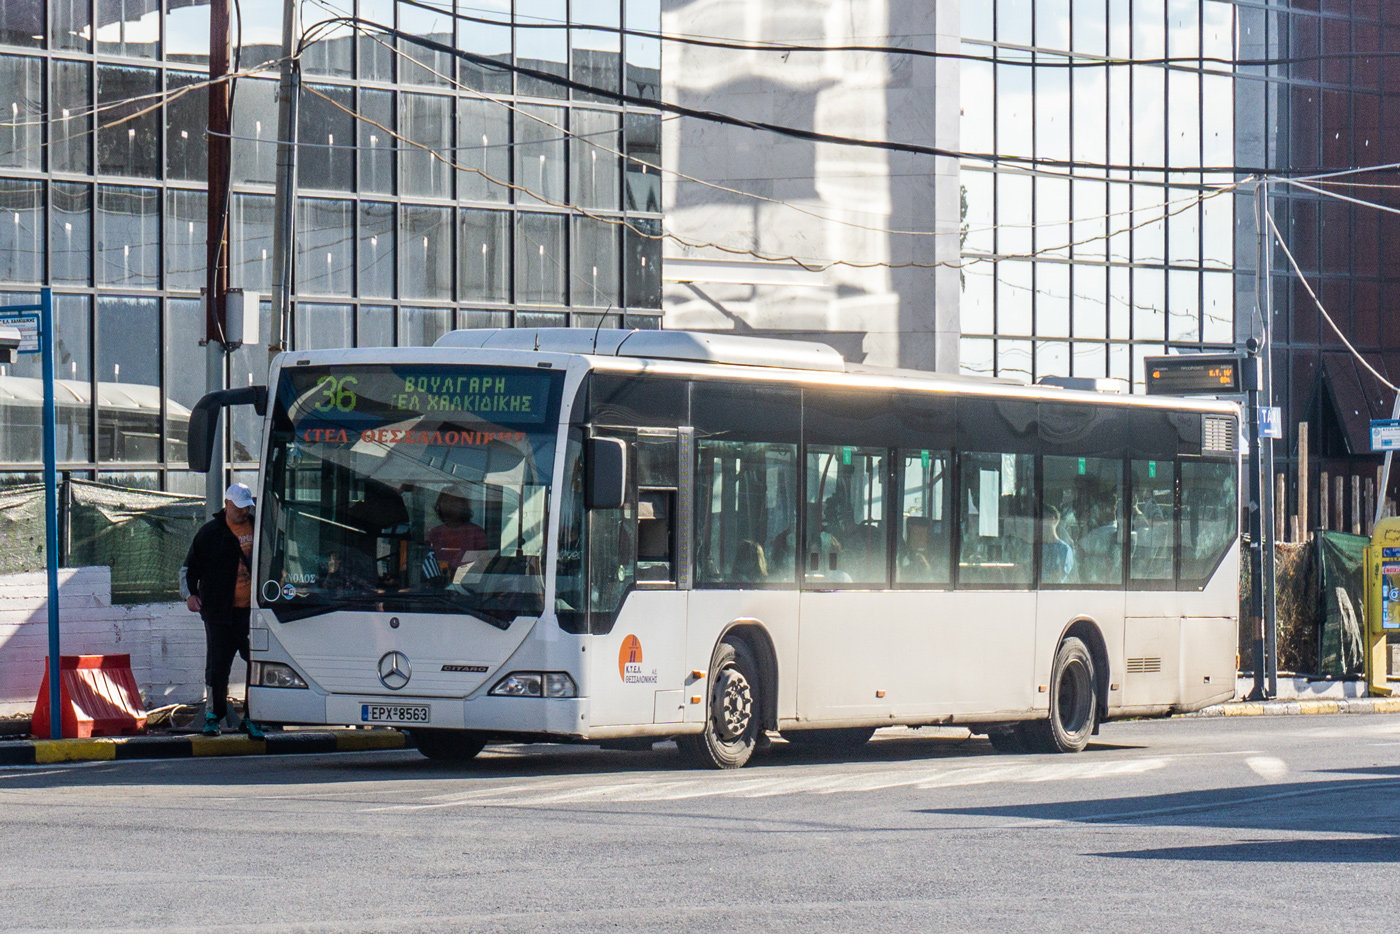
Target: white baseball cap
x=239, y=495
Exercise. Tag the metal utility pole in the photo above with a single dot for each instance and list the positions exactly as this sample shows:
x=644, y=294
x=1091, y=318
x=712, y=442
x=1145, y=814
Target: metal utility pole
x=1261, y=488
x=288, y=95
x=216, y=286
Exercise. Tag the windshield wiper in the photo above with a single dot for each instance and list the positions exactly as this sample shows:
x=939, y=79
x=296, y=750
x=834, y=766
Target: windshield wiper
x=451, y=602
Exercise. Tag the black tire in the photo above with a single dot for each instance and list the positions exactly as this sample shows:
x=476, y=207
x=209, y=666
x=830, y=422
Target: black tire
x=733, y=712
x=1009, y=739
x=1074, y=702
x=448, y=745
x=850, y=738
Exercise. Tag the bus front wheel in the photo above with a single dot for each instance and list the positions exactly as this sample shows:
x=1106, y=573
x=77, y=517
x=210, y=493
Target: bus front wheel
x=732, y=718
x=1074, y=702
x=448, y=745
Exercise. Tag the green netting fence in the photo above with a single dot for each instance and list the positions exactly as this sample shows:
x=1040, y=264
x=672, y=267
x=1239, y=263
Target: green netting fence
x=1318, y=605
x=140, y=534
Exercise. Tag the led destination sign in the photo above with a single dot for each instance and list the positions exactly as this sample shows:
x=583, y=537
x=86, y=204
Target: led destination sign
x=1194, y=375
x=363, y=398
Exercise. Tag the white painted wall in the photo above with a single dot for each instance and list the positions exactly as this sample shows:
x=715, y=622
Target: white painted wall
x=165, y=641
x=893, y=317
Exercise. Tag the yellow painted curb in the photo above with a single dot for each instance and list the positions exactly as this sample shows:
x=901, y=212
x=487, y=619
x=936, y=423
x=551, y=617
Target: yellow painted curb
x=1310, y=707
x=226, y=746
x=1243, y=710
x=74, y=750
x=361, y=740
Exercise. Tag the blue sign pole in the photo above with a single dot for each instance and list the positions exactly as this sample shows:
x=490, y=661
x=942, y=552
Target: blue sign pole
x=51, y=509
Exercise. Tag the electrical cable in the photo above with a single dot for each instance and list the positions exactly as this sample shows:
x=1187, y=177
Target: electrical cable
x=789, y=47
x=1297, y=270
x=165, y=96
x=807, y=264
x=1340, y=197
x=509, y=105
x=788, y=131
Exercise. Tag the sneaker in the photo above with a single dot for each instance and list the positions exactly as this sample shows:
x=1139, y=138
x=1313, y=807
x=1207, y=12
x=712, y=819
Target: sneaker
x=211, y=725
x=252, y=729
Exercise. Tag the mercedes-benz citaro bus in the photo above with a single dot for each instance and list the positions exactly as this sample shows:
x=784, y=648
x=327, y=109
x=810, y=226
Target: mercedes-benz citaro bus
x=619, y=537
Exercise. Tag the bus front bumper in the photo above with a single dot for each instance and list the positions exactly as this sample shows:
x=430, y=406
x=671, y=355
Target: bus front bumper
x=560, y=716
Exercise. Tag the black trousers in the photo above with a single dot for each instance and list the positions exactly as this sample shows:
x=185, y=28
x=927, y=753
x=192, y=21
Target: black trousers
x=222, y=641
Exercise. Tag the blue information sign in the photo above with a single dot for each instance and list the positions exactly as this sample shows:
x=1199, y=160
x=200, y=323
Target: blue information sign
x=1385, y=434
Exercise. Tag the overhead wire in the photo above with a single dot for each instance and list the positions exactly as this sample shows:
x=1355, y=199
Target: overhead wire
x=1297, y=271
x=1073, y=59
x=781, y=129
x=807, y=263
x=164, y=96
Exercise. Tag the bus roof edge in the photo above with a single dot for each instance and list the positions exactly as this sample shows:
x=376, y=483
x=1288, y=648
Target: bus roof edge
x=694, y=346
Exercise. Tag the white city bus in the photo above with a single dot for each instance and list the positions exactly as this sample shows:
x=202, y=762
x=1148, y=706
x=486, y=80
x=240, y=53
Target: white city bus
x=620, y=537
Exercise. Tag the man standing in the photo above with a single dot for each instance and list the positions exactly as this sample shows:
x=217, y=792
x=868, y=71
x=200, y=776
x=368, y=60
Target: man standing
x=217, y=583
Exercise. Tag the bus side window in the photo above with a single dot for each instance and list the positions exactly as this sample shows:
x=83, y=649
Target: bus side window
x=1209, y=518
x=1082, y=521
x=845, y=516
x=745, y=514
x=1152, y=520
x=922, y=555
x=656, y=535
x=612, y=550
x=998, y=521
x=569, y=600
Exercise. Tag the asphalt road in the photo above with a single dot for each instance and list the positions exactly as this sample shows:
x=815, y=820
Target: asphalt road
x=1288, y=823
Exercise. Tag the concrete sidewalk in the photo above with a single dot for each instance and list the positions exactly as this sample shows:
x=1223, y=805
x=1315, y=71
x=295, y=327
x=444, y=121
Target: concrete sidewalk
x=48, y=751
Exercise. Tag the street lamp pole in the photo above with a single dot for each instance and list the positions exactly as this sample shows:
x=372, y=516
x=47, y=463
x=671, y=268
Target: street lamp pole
x=1261, y=492
x=288, y=93
x=216, y=285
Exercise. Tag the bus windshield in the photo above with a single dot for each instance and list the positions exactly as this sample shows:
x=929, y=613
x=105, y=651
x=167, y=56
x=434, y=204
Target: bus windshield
x=408, y=488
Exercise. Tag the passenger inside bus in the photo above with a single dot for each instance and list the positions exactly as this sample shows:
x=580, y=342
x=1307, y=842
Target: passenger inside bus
x=1056, y=554
x=750, y=565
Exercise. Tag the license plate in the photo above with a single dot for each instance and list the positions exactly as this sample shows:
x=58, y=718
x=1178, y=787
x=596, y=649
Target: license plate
x=395, y=713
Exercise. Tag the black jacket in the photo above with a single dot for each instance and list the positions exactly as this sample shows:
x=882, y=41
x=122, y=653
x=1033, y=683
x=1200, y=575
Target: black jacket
x=211, y=569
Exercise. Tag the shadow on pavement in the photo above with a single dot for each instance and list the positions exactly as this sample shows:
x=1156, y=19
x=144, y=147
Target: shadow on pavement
x=1317, y=812
x=499, y=761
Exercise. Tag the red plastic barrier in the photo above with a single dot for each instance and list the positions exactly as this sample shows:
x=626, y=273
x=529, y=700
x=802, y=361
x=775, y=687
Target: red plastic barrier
x=98, y=695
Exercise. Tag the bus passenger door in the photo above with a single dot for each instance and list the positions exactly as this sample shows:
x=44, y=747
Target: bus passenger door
x=638, y=608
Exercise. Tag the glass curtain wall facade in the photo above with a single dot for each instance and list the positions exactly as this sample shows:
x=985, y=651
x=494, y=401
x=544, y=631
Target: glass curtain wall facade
x=1086, y=275
x=433, y=193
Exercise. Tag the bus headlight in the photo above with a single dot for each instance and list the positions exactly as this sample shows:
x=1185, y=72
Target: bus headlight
x=273, y=675
x=535, y=684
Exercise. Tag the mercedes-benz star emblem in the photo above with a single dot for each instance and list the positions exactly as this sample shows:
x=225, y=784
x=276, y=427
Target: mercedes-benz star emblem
x=394, y=670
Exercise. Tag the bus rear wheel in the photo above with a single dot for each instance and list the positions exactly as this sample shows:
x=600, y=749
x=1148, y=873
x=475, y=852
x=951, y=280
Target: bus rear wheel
x=1074, y=702
x=732, y=721
x=850, y=738
x=449, y=745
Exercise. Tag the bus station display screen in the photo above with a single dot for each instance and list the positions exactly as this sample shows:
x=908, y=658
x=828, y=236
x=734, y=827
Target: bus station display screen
x=1193, y=375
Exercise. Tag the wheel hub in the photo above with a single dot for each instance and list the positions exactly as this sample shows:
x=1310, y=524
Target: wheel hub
x=733, y=704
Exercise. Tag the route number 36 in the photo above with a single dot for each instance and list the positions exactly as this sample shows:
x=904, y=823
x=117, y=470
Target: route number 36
x=336, y=394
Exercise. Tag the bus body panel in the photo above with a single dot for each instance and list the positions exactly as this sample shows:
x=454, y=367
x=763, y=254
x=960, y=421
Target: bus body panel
x=451, y=656
x=712, y=612
x=643, y=655
x=1207, y=663
x=929, y=653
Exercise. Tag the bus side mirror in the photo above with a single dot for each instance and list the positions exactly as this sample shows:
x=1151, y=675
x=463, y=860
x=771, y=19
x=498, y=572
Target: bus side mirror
x=204, y=420
x=606, y=486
